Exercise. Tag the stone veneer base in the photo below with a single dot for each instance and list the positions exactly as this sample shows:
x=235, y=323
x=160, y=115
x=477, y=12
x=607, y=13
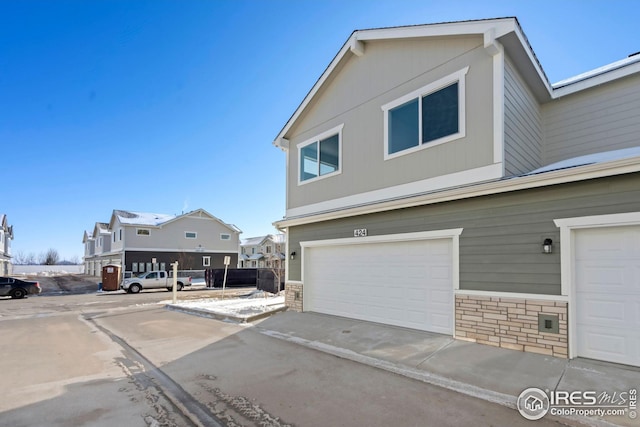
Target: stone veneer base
x=511, y=323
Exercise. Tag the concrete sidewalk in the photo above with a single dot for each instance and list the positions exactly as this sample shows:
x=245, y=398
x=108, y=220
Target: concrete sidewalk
x=490, y=373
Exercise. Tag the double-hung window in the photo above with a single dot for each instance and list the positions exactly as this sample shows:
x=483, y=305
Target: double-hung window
x=320, y=156
x=429, y=116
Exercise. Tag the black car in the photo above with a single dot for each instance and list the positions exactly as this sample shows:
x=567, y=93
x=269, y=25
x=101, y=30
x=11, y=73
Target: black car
x=16, y=288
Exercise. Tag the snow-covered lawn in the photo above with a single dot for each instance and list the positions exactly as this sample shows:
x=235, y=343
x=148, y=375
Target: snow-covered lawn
x=237, y=307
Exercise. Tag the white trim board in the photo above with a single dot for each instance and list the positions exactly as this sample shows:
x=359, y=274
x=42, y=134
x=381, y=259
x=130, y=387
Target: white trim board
x=480, y=174
x=514, y=295
x=496, y=186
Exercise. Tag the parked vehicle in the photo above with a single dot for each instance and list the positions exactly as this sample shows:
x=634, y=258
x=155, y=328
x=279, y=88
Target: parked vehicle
x=153, y=280
x=16, y=288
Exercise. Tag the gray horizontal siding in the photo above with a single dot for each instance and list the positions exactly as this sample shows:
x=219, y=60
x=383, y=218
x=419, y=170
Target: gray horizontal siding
x=522, y=125
x=600, y=119
x=500, y=247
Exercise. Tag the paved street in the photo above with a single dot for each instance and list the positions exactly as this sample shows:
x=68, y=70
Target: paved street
x=116, y=359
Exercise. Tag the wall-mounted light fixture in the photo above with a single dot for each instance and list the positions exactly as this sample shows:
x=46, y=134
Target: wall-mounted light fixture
x=547, y=246
x=293, y=255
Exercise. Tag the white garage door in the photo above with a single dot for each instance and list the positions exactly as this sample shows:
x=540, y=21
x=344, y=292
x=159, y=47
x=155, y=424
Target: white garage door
x=398, y=283
x=608, y=294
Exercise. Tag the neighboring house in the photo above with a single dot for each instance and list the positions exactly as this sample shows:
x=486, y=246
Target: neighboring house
x=263, y=252
x=424, y=191
x=140, y=242
x=6, y=236
x=89, y=252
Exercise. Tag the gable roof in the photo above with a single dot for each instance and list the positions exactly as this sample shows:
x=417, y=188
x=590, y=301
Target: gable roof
x=257, y=241
x=499, y=31
x=147, y=219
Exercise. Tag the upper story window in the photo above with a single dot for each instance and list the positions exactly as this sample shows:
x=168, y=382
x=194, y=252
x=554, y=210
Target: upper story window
x=143, y=231
x=426, y=117
x=320, y=156
x=225, y=236
x=190, y=235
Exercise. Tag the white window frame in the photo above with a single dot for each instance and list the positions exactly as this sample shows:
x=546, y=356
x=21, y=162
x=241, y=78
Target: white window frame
x=457, y=77
x=147, y=230
x=190, y=232
x=206, y=261
x=225, y=236
x=324, y=135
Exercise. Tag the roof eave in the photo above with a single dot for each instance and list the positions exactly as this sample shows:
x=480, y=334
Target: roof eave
x=562, y=176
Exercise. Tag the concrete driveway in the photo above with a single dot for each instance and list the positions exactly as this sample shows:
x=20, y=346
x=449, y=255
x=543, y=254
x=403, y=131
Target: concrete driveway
x=88, y=363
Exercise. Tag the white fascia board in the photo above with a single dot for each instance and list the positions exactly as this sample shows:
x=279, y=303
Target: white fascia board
x=596, y=80
x=533, y=59
x=499, y=26
x=581, y=173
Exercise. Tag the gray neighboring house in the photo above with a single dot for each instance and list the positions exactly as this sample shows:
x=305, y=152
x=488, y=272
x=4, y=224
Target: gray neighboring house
x=6, y=236
x=263, y=252
x=142, y=241
x=437, y=180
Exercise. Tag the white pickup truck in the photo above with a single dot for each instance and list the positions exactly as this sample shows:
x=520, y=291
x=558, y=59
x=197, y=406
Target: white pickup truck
x=153, y=280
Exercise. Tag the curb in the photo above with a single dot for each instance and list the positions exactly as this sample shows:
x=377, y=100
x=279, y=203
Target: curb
x=224, y=317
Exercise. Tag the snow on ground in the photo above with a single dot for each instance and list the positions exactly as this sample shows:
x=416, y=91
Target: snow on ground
x=237, y=307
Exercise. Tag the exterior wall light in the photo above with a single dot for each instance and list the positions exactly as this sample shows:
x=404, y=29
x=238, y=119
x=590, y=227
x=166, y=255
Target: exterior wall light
x=293, y=255
x=547, y=246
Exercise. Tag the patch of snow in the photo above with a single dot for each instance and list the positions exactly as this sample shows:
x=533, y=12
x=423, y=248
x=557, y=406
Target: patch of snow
x=598, y=71
x=235, y=307
x=589, y=159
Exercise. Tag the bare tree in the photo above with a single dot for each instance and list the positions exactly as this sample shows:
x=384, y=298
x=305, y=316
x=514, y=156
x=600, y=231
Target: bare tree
x=19, y=258
x=30, y=259
x=22, y=258
x=51, y=257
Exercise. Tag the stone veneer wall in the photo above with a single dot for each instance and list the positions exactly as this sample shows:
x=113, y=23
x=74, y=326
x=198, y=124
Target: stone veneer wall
x=290, y=300
x=511, y=323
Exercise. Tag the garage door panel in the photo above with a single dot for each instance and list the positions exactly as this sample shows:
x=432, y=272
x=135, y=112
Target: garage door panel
x=389, y=282
x=607, y=266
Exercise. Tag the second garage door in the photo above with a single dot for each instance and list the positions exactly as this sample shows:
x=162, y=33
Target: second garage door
x=405, y=284
x=607, y=266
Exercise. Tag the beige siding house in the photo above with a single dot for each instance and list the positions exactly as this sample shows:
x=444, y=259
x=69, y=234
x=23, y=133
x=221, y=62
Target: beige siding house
x=436, y=180
x=140, y=242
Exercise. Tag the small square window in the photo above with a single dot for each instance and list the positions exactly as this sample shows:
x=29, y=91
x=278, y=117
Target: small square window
x=320, y=156
x=206, y=261
x=225, y=237
x=190, y=235
x=143, y=232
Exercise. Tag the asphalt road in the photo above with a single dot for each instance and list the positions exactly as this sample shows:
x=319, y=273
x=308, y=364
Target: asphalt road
x=90, y=359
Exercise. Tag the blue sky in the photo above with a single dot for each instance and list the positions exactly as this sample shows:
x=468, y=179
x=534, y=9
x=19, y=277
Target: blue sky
x=170, y=106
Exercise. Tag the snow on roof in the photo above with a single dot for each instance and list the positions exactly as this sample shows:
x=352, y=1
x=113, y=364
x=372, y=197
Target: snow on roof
x=279, y=238
x=252, y=241
x=142, y=218
x=256, y=257
x=589, y=159
x=598, y=71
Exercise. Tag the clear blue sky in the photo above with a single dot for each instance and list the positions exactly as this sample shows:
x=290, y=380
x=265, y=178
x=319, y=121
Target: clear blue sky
x=169, y=106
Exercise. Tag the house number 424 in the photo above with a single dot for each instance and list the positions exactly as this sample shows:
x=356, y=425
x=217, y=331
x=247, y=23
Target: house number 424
x=360, y=232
